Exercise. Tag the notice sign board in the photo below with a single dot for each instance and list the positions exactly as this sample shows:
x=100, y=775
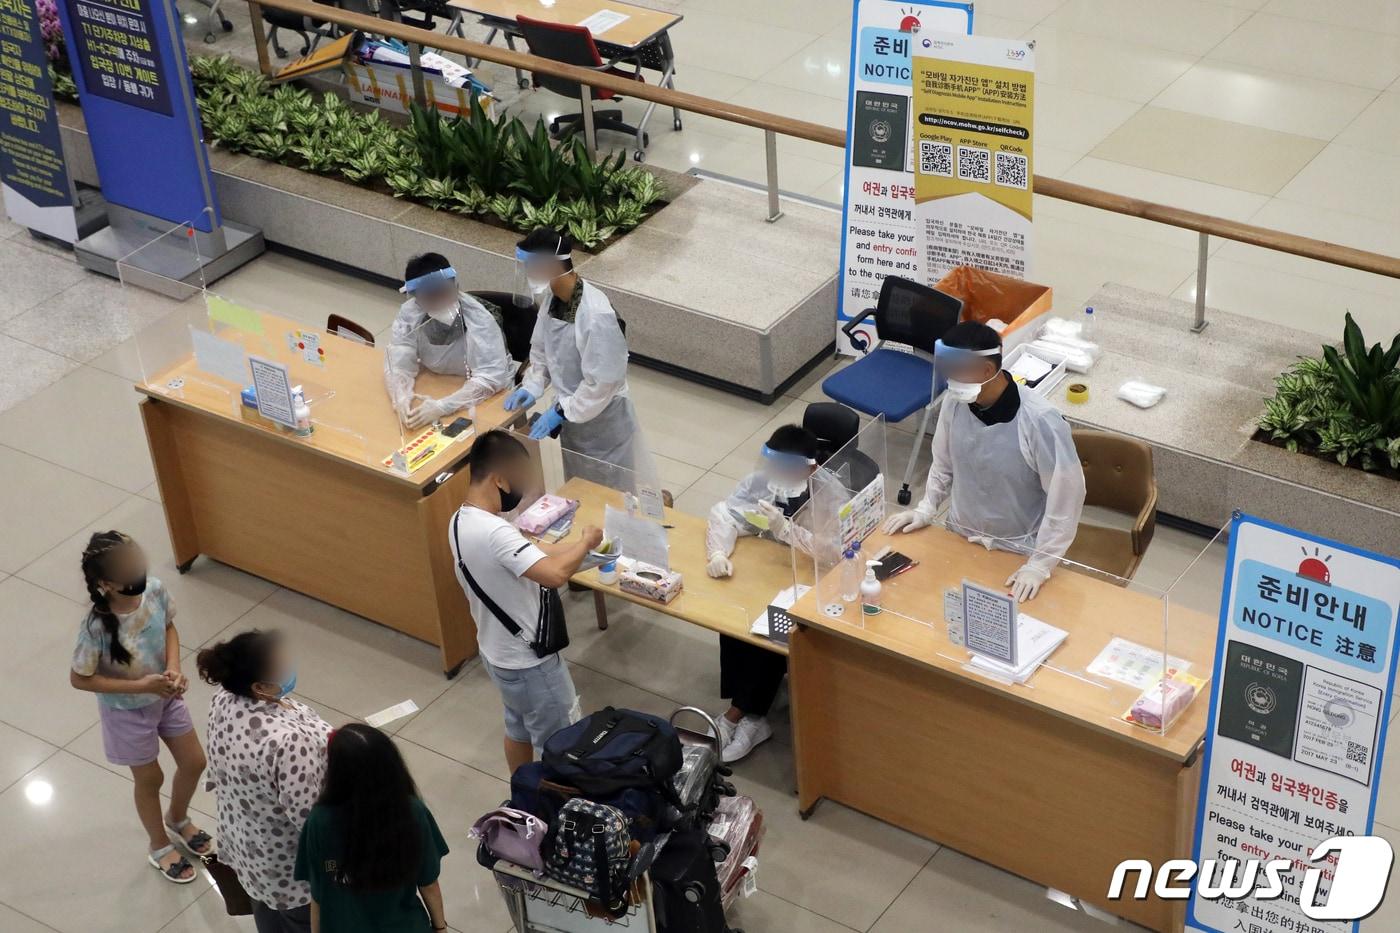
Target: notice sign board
x=974, y=99
x=37, y=191
x=877, y=220
x=1304, y=670
x=116, y=49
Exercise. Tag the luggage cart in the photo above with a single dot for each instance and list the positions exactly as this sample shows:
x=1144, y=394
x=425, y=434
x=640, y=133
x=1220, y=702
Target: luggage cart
x=542, y=905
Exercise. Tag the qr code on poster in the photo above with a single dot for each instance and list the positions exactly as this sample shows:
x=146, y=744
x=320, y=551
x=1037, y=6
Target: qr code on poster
x=1357, y=752
x=974, y=164
x=935, y=158
x=1011, y=170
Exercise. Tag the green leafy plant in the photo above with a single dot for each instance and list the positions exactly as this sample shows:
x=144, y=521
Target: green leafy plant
x=538, y=171
x=1345, y=405
x=587, y=233
x=482, y=147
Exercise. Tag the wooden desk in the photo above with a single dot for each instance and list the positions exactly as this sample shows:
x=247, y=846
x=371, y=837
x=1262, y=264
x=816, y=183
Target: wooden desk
x=641, y=26
x=727, y=606
x=1040, y=779
x=319, y=515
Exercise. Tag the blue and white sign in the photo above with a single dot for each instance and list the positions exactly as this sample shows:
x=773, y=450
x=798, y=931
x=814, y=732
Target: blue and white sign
x=37, y=191
x=879, y=236
x=1300, y=699
x=138, y=102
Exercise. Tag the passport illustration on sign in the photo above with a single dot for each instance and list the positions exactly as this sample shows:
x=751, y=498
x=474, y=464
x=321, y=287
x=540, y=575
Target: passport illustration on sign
x=1259, y=698
x=880, y=128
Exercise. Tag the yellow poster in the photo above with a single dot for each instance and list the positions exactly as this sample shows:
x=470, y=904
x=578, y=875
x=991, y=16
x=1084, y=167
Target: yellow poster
x=974, y=103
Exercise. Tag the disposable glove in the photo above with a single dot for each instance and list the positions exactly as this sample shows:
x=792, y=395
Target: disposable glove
x=719, y=565
x=427, y=411
x=1026, y=582
x=520, y=398
x=906, y=521
x=546, y=423
x=778, y=523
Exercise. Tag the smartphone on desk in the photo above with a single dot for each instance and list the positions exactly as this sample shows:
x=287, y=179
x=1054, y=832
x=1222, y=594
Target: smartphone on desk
x=891, y=564
x=457, y=427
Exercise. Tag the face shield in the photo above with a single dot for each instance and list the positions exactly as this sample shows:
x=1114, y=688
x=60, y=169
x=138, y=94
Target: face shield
x=962, y=369
x=785, y=473
x=534, y=272
x=435, y=293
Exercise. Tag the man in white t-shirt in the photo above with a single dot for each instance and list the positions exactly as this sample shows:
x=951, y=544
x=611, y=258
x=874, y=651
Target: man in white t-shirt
x=513, y=572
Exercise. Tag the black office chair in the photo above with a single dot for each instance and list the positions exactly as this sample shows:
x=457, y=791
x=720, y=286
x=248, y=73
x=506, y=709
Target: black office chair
x=890, y=382
x=836, y=426
x=573, y=45
x=304, y=26
x=517, y=324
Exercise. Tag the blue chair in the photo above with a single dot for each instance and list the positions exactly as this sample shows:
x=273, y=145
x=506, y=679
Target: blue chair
x=890, y=381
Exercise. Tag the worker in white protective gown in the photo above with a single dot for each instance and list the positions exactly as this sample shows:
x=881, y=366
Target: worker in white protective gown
x=1004, y=459
x=578, y=347
x=442, y=330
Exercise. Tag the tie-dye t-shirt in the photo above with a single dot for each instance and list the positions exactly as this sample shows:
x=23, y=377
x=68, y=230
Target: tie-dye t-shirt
x=141, y=632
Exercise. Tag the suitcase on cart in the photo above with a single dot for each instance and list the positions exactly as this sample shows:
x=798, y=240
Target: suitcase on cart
x=685, y=887
x=702, y=779
x=738, y=829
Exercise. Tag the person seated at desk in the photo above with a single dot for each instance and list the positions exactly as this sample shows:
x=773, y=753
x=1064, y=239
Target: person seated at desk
x=762, y=505
x=1005, y=458
x=442, y=330
x=578, y=347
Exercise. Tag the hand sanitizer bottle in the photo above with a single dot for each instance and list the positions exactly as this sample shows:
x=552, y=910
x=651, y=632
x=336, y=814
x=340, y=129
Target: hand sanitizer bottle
x=302, y=412
x=870, y=590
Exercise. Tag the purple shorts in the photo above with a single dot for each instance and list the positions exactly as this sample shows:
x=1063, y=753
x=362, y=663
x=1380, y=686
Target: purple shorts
x=132, y=736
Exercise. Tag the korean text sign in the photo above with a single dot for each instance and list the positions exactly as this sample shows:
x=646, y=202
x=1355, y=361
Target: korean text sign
x=1304, y=670
x=877, y=218
x=974, y=100
x=37, y=191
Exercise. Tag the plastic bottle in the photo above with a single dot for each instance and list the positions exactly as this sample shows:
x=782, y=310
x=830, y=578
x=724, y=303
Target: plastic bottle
x=302, y=412
x=850, y=574
x=1088, y=333
x=870, y=589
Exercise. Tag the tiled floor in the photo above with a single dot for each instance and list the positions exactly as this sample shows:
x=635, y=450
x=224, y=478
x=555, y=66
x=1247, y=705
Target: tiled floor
x=1304, y=142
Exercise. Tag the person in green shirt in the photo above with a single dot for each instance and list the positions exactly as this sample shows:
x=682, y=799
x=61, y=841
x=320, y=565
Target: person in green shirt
x=370, y=850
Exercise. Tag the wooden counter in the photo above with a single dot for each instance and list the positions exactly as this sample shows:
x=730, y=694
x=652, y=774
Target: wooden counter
x=1042, y=779
x=727, y=606
x=320, y=515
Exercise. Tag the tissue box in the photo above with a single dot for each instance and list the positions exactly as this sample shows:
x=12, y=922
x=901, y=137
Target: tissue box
x=544, y=512
x=1161, y=703
x=650, y=582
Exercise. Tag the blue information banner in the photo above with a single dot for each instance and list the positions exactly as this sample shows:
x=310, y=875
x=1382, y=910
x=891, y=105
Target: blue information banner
x=31, y=148
x=115, y=47
x=138, y=101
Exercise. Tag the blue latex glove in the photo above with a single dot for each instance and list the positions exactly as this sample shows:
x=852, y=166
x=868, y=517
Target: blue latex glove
x=546, y=424
x=520, y=398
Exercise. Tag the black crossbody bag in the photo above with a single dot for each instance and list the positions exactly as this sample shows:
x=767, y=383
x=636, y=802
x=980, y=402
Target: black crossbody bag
x=551, y=632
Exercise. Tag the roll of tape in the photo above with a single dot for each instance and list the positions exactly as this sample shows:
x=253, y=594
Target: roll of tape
x=1078, y=393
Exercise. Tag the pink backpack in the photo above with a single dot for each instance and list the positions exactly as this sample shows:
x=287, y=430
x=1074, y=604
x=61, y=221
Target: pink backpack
x=513, y=835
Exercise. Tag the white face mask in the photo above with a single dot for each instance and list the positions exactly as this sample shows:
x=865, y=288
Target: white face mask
x=444, y=315
x=538, y=286
x=965, y=391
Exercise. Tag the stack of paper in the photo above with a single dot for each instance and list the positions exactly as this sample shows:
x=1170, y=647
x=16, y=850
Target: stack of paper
x=1034, y=642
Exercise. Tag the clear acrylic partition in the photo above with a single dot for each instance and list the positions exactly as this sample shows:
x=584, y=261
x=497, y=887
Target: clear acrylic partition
x=198, y=346
x=846, y=506
x=611, y=497
x=1193, y=609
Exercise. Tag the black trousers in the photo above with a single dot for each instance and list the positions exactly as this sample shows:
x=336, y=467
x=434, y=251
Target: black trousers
x=749, y=676
x=267, y=920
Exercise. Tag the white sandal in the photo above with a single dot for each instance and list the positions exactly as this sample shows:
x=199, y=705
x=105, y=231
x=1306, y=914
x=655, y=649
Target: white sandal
x=201, y=844
x=173, y=872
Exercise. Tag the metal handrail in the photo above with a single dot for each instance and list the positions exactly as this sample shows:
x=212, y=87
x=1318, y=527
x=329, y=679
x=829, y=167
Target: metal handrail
x=1206, y=225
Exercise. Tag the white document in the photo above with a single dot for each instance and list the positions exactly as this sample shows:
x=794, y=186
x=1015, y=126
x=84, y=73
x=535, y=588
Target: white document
x=1135, y=665
x=603, y=20
x=1029, y=367
x=386, y=716
x=219, y=357
x=784, y=600
x=274, y=388
x=1035, y=640
x=637, y=537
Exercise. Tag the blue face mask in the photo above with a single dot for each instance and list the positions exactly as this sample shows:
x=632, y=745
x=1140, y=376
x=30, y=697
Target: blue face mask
x=288, y=685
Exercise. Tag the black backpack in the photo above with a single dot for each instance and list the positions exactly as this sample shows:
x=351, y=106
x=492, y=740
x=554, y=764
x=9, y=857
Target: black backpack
x=615, y=749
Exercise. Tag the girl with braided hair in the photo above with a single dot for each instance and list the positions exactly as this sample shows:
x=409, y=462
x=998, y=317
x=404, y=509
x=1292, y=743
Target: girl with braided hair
x=128, y=653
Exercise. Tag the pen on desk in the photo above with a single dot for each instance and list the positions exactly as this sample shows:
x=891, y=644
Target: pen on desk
x=907, y=567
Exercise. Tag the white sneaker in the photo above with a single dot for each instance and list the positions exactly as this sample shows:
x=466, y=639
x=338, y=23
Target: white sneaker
x=726, y=730
x=749, y=733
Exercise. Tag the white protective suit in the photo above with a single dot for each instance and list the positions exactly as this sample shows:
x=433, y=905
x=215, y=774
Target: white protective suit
x=586, y=362
x=728, y=521
x=472, y=346
x=1017, y=486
